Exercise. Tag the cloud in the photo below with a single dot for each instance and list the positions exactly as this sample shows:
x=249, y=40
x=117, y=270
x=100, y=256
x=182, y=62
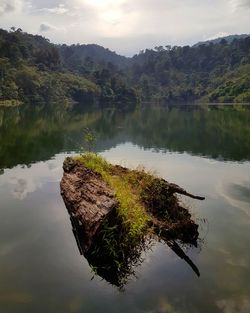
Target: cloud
x=236, y=194
x=40, y=4
x=45, y=27
x=7, y=6
x=127, y=26
x=22, y=187
x=60, y=9
x=23, y=180
x=239, y=5
x=243, y=3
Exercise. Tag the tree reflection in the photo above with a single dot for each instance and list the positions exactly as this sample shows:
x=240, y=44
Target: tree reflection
x=29, y=135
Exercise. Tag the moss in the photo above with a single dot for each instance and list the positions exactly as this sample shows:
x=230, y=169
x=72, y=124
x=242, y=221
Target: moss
x=127, y=189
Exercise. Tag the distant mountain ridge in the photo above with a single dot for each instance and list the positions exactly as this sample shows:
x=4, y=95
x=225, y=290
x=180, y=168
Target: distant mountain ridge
x=74, y=55
x=228, y=39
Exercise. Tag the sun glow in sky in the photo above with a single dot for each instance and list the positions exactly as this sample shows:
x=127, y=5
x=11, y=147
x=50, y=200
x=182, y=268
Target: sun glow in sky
x=127, y=26
x=109, y=11
x=103, y=3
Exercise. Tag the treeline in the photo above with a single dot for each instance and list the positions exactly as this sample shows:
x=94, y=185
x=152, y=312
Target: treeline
x=34, y=70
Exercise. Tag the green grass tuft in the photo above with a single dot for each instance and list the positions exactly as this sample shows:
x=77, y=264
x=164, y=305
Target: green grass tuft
x=131, y=211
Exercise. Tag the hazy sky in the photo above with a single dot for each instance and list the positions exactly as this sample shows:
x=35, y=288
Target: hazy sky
x=127, y=26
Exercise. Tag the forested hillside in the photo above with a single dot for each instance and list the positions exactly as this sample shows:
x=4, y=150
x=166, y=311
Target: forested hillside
x=36, y=71
x=211, y=73
x=229, y=39
x=84, y=57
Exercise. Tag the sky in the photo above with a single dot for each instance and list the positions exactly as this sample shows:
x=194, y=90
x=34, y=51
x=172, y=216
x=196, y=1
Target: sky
x=127, y=26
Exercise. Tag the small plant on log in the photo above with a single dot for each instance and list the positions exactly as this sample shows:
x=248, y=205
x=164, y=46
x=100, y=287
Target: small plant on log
x=89, y=139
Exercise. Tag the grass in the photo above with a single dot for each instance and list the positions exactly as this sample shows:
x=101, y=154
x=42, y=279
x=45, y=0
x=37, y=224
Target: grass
x=130, y=210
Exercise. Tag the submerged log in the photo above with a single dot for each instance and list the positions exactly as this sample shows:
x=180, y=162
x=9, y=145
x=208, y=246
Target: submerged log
x=92, y=206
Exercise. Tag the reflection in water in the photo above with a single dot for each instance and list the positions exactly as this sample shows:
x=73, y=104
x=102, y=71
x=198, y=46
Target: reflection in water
x=115, y=265
x=29, y=135
x=177, y=249
x=36, y=232
x=15, y=297
x=111, y=259
x=240, y=192
x=237, y=194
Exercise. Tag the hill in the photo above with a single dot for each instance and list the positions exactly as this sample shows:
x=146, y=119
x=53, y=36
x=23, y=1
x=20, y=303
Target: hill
x=229, y=39
x=209, y=73
x=76, y=56
x=34, y=70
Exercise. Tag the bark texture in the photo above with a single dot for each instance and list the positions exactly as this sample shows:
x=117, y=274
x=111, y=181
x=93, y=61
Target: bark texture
x=88, y=198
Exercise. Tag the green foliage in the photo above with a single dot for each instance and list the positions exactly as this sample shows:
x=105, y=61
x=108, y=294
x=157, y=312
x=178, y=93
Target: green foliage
x=234, y=86
x=28, y=84
x=206, y=72
x=89, y=139
x=35, y=71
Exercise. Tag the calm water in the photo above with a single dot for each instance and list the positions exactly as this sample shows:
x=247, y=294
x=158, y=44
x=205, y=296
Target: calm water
x=205, y=150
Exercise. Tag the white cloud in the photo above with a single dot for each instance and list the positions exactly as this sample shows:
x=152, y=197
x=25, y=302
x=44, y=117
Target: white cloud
x=60, y=9
x=239, y=5
x=45, y=27
x=8, y=6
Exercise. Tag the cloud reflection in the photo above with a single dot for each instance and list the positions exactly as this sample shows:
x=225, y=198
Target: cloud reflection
x=237, y=194
x=23, y=186
x=24, y=180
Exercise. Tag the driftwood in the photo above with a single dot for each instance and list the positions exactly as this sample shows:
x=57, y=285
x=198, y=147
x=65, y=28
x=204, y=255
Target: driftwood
x=90, y=202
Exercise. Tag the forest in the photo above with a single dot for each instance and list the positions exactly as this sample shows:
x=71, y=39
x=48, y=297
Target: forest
x=33, y=70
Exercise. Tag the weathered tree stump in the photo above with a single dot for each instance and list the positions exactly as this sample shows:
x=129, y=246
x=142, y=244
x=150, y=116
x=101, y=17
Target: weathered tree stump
x=92, y=206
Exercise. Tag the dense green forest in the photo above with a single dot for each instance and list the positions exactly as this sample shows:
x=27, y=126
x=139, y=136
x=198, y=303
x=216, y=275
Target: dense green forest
x=34, y=70
x=208, y=73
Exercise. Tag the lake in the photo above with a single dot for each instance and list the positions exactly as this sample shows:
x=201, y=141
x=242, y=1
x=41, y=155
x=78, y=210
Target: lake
x=205, y=150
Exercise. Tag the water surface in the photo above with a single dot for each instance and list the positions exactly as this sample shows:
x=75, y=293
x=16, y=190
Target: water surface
x=206, y=150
